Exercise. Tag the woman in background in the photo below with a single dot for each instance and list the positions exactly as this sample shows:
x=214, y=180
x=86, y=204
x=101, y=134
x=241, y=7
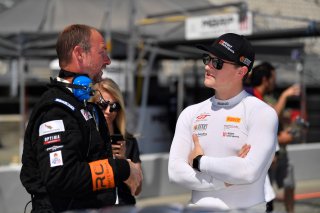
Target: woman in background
x=124, y=145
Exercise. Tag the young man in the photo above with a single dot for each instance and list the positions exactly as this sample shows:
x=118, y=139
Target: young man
x=67, y=159
x=208, y=136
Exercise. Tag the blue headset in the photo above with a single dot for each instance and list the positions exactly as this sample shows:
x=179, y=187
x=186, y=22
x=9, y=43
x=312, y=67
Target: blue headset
x=81, y=87
x=81, y=84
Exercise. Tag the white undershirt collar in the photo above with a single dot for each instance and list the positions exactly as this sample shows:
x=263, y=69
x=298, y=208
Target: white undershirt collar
x=64, y=81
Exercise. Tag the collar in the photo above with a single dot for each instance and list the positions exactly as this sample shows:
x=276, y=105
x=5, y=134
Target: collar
x=64, y=81
x=230, y=102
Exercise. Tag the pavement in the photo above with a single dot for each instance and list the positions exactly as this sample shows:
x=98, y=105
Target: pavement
x=307, y=199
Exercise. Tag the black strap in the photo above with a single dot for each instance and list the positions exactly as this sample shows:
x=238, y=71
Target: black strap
x=64, y=74
x=60, y=83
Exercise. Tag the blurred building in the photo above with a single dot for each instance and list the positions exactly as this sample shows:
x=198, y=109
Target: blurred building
x=157, y=66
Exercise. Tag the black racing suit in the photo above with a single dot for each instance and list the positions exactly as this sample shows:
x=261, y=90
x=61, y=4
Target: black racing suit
x=62, y=148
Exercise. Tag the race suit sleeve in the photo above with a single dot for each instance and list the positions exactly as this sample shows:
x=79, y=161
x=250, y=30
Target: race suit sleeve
x=179, y=170
x=262, y=136
x=62, y=166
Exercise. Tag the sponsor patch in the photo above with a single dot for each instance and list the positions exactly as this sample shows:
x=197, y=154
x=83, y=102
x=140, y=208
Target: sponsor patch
x=102, y=175
x=51, y=139
x=230, y=127
x=245, y=60
x=65, y=103
x=86, y=114
x=200, y=127
x=233, y=119
x=51, y=127
x=202, y=116
x=54, y=148
x=226, y=45
x=56, y=159
x=230, y=135
x=231, y=131
x=201, y=134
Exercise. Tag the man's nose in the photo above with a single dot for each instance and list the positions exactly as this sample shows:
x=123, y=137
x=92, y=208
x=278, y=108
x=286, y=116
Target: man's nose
x=106, y=59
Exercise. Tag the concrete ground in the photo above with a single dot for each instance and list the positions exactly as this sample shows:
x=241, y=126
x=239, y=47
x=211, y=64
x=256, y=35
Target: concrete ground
x=307, y=198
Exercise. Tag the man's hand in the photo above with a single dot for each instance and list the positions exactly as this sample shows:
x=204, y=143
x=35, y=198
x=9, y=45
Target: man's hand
x=244, y=151
x=135, y=178
x=197, y=149
x=285, y=137
x=294, y=90
x=119, y=150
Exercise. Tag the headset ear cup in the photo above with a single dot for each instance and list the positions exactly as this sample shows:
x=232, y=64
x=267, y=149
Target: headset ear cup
x=86, y=92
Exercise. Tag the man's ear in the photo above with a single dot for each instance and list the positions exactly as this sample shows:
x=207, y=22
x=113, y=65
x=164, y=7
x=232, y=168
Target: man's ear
x=243, y=70
x=264, y=80
x=77, y=52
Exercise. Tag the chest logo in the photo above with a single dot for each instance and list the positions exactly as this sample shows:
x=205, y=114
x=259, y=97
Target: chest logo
x=200, y=127
x=56, y=159
x=233, y=119
x=86, y=114
x=202, y=117
x=51, y=139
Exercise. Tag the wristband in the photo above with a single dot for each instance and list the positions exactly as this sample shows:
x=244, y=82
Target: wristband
x=196, y=163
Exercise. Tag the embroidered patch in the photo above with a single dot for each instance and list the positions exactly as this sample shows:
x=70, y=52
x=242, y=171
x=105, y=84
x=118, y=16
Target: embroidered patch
x=231, y=131
x=226, y=45
x=233, y=119
x=202, y=117
x=230, y=135
x=54, y=148
x=56, y=159
x=51, y=139
x=200, y=127
x=65, y=103
x=86, y=114
x=51, y=127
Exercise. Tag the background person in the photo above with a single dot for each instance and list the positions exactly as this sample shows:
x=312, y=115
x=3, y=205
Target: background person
x=263, y=81
x=67, y=162
x=110, y=100
x=203, y=155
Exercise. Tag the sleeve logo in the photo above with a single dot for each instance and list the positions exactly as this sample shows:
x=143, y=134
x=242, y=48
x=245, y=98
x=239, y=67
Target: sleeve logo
x=51, y=127
x=102, y=175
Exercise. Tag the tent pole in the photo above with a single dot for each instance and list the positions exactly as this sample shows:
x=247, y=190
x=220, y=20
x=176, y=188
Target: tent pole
x=130, y=70
x=22, y=92
x=145, y=92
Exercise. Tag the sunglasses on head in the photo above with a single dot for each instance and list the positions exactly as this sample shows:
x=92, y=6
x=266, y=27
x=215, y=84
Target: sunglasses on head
x=217, y=63
x=114, y=106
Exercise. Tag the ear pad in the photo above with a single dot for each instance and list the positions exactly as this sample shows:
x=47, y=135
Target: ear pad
x=85, y=91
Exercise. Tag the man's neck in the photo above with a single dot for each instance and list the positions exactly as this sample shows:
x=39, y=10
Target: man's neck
x=228, y=93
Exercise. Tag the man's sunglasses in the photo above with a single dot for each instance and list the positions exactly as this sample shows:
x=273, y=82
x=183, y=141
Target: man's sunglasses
x=217, y=63
x=114, y=107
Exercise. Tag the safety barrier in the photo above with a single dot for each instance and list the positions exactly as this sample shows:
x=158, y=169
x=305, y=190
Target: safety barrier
x=13, y=197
